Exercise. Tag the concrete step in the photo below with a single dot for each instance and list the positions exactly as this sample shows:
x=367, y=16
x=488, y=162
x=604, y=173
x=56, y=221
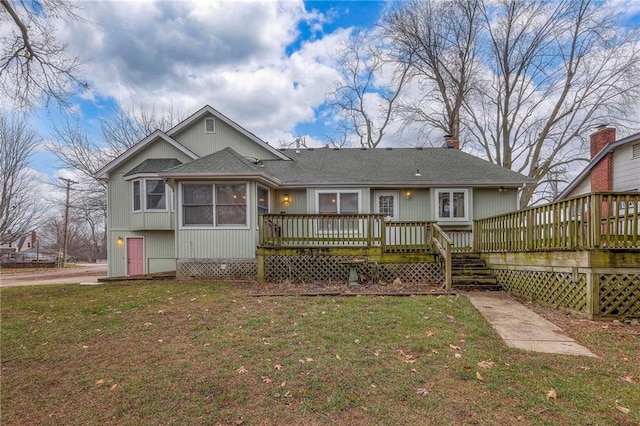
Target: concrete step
x=473, y=280
x=471, y=271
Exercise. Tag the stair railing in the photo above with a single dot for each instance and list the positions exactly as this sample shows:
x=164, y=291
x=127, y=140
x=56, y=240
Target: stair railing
x=443, y=243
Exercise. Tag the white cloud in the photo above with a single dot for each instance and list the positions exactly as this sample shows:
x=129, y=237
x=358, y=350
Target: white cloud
x=243, y=58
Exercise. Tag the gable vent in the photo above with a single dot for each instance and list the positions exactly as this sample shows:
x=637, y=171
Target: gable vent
x=636, y=151
x=209, y=125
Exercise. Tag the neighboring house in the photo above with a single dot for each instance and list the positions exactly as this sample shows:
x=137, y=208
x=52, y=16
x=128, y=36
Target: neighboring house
x=614, y=166
x=13, y=250
x=195, y=192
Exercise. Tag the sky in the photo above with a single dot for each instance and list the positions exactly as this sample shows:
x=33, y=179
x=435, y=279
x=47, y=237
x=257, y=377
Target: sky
x=266, y=65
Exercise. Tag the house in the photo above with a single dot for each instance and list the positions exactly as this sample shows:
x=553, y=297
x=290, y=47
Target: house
x=192, y=199
x=14, y=250
x=614, y=165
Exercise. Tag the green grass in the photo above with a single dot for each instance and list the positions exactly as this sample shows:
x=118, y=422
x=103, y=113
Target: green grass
x=208, y=353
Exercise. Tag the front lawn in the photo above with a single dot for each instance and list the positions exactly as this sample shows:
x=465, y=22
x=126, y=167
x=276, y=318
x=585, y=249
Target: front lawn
x=209, y=353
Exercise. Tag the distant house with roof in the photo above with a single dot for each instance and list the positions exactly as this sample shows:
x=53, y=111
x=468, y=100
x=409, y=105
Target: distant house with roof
x=614, y=165
x=208, y=191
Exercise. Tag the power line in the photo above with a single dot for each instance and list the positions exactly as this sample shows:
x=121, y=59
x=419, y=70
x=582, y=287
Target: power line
x=66, y=221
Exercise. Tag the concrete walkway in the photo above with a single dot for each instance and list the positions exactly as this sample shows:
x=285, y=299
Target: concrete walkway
x=523, y=329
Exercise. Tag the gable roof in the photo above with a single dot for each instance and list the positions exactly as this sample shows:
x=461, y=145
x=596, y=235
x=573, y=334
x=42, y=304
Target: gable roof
x=595, y=160
x=225, y=163
x=103, y=173
x=390, y=167
x=208, y=110
x=153, y=165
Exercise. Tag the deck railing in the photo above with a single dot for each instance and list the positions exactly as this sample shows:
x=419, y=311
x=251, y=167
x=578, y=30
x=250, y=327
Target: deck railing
x=338, y=230
x=443, y=243
x=598, y=220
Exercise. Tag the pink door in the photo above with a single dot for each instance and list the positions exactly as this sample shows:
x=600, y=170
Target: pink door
x=135, y=256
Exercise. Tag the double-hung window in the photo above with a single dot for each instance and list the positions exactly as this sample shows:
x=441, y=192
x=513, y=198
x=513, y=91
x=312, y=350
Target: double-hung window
x=452, y=204
x=136, y=196
x=214, y=205
x=156, y=198
x=347, y=202
x=263, y=200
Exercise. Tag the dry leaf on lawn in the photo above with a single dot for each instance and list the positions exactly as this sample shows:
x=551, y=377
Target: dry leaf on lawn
x=552, y=394
x=277, y=367
x=622, y=409
x=338, y=356
x=113, y=387
x=486, y=364
x=266, y=379
x=422, y=392
x=242, y=370
x=628, y=379
x=430, y=333
x=454, y=347
x=479, y=376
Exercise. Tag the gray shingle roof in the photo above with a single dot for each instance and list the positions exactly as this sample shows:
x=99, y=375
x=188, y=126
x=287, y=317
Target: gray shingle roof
x=225, y=161
x=352, y=166
x=381, y=166
x=154, y=165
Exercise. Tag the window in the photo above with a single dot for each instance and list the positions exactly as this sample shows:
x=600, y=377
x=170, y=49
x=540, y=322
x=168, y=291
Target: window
x=136, y=195
x=385, y=205
x=217, y=205
x=209, y=125
x=452, y=204
x=338, y=203
x=156, y=194
x=635, y=151
x=263, y=200
x=231, y=204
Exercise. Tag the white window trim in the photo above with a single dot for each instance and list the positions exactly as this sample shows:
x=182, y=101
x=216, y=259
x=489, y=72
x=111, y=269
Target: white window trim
x=206, y=120
x=436, y=203
x=213, y=225
x=339, y=191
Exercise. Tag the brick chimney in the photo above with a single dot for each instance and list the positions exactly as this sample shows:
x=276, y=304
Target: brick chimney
x=602, y=173
x=450, y=142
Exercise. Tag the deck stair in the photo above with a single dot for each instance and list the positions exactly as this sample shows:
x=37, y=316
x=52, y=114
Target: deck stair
x=469, y=272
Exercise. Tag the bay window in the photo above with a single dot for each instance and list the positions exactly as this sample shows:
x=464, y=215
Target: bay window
x=214, y=205
x=136, y=195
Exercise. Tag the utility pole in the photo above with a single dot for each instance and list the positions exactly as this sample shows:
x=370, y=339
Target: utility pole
x=66, y=222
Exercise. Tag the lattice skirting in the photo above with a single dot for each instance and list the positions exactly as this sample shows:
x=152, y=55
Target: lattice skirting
x=561, y=289
x=218, y=268
x=314, y=268
x=619, y=294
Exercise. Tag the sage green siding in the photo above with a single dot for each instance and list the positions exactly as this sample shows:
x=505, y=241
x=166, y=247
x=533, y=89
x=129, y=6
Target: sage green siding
x=221, y=243
x=297, y=201
x=201, y=143
x=489, y=202
x=158, y=250
x=418, y=207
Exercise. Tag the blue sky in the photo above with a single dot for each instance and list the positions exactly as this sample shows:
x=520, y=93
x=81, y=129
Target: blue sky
x=266, y=65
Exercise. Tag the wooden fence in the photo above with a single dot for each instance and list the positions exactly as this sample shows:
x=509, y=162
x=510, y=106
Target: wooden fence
x=592, y=221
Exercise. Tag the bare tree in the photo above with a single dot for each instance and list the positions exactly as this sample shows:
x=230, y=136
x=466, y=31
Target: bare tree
x=438, y=40
x=523, y=81
x=34, y=64
x=556, y=69
x=20, y=208
x=76, y=151
x=363, y=99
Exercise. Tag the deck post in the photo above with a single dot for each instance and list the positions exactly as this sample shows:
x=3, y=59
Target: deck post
x=260, y=264
x=593, y=295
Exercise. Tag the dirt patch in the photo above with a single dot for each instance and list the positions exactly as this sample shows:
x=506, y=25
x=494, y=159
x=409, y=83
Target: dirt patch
x=344, y=289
